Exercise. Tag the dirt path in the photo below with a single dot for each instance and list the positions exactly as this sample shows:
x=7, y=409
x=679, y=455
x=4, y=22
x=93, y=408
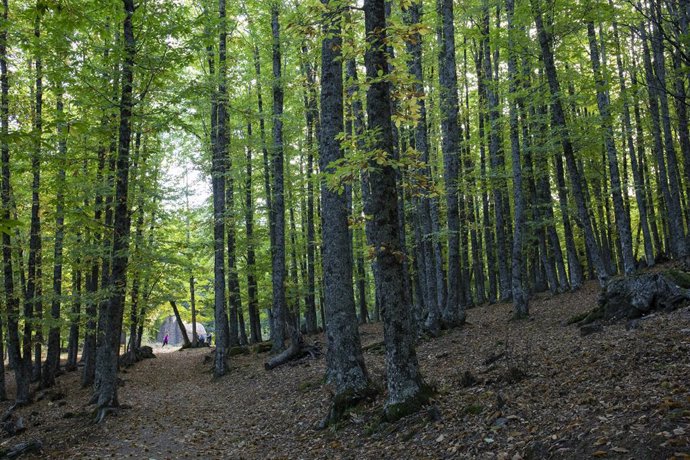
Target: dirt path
x=506, y=390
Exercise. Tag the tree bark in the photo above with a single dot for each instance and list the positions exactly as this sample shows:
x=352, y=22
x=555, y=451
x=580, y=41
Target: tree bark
x=520, y=298
x=107, y=355
x=622, y=218
x=185, y=337
x=278, y=223
x=576, y=179
x=406, y=390
x=52, y=364
x=345, y=363
x=453, y=311
x=219, y=145
x=11, y=301
x=252, y=289
x=413, y=17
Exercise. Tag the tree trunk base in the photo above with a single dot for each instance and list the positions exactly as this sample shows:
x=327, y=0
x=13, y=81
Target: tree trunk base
x=638, y=295
x=344, y=402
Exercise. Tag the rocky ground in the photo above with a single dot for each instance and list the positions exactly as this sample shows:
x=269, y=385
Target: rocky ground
x=506, y=390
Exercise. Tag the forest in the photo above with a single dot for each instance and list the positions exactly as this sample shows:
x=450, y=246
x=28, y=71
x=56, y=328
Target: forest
x=400, y=216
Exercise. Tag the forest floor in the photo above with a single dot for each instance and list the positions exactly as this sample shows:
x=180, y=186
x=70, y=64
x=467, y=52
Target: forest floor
x=506, y=390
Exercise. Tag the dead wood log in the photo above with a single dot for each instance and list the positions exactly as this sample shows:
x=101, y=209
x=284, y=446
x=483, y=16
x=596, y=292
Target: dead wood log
x=297, y=350
x=31, y=446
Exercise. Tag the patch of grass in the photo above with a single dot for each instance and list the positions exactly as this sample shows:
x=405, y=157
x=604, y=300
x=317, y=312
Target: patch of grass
x=307, y=385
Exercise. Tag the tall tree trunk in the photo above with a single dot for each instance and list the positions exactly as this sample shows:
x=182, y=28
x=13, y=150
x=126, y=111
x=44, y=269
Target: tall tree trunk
x=358, y=131
x=520, y=299
x=345, y=363
x=219, y=145
x=622, y=218
x=453, y=311
x=628, y=140
x=669, y=202
x=107, y=355
x=33, y=307
x=73, y=341
x=576, y=179
x=489, y=243
x=674, y=208
x=311, y=114
x=134, y=319
x=406, y=390
x=497, y=162
x=52, y=364
x=252, y=289
x=11, y=302
x=278, y=223
x=192, y=290
x=413, y=17
x=234, y=294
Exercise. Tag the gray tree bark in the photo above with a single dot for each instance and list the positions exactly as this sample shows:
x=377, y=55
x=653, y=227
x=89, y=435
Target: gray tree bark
x=345, y=363
x=622, y=218
x=519, y=293
x=406, y=389
x=108, y=352
x=453, y=310
x=278, y=223
x=576, y=180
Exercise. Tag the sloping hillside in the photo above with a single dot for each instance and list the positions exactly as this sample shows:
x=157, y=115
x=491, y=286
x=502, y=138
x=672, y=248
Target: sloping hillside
x=506, y=390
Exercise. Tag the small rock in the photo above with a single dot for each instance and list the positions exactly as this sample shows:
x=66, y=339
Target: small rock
x=501, y=422
x=590, y=329
x=679, y=432
x=433, y=413
x=440, y=438
x=632, y=325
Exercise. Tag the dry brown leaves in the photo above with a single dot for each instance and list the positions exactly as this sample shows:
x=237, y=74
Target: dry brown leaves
x=506, y=390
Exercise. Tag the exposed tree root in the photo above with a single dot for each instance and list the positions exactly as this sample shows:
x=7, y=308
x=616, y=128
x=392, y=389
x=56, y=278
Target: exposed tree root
x=297, y=349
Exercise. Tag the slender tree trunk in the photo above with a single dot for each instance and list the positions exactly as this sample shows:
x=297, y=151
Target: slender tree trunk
x=576, y=179
x=134, y=318
x=107, y=355
x=663, y=183
x=453, y=311
x=345, y=363
x=33, y=307
x=622, y=218
x=252, y=289
x=673, y=203
x=11, y=302
x=406, y=390
x=520, y=299
x=234, y=293
x=311, y=115
x=497, y=162
x=219, y=145
x=73, y=341
x=413, y=17
x=489, y=243
x=628, y=135
x=52, y=364
x=185, y=337
x=278, y=223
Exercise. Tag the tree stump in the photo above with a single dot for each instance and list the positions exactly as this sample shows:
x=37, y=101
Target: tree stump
x=638, y=295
